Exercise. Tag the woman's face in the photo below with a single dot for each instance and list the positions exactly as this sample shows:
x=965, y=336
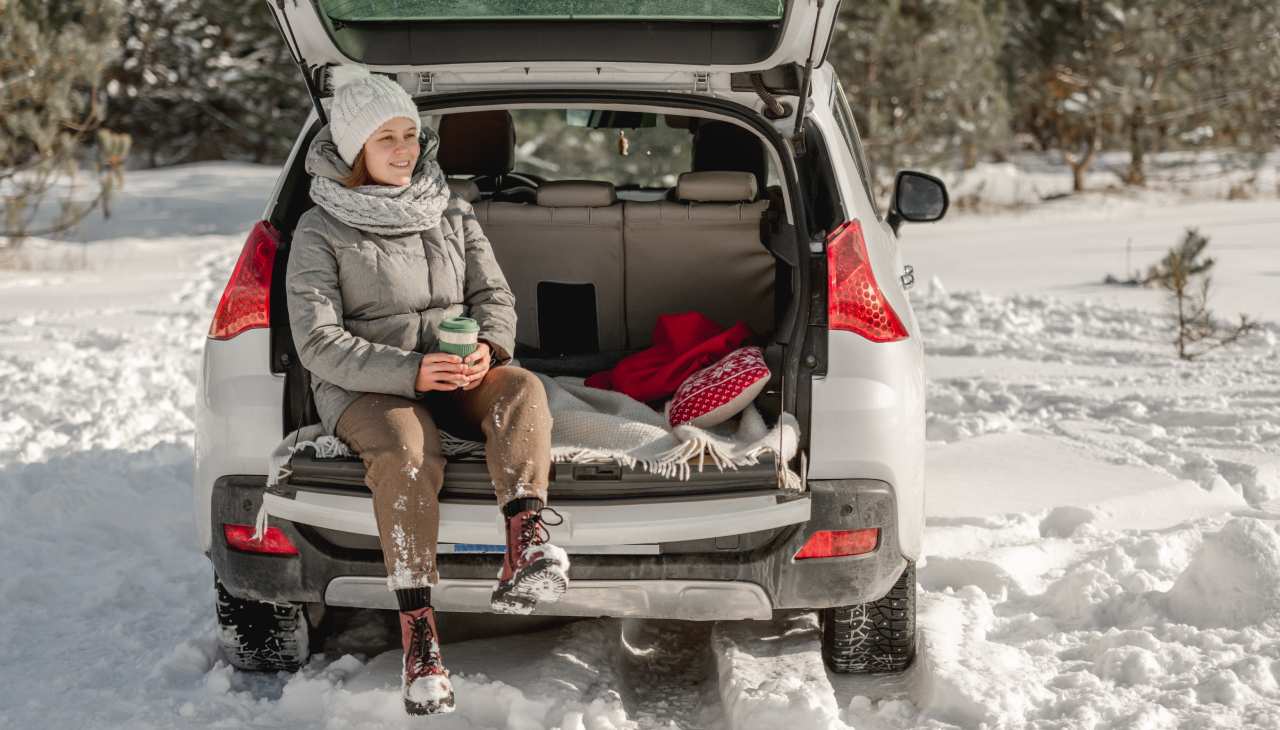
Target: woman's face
x=391, y=151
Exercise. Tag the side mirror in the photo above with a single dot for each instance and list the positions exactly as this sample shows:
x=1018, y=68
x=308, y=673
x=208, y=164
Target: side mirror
x=918, y=198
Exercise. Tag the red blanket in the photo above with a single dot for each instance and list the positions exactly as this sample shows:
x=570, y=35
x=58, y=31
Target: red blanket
x=682, y=344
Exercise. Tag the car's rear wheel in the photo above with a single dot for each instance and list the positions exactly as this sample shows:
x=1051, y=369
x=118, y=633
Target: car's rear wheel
x=261, y=636
x=875, y=637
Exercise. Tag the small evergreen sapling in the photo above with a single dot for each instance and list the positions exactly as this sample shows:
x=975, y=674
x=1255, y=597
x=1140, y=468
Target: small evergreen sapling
x=1184, y=272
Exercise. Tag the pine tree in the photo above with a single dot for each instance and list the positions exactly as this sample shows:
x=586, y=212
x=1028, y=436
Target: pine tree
x=205, y=80
x=1145, y=75
x=51, y=60
x=1197, y=333
x=1056, y=60
x=923, y=78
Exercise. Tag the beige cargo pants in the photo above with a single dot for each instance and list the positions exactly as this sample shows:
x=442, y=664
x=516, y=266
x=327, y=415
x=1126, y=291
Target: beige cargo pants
x=399, y=441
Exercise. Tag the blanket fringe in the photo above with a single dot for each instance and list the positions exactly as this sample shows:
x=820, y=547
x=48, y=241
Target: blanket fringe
x=260, y=523
x=724, y=450
x=674, y=463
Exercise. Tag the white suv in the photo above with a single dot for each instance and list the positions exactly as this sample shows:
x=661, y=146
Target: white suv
x=771, y=223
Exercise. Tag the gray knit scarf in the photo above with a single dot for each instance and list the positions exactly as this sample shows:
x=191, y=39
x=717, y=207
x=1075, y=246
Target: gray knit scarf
x=387, y=210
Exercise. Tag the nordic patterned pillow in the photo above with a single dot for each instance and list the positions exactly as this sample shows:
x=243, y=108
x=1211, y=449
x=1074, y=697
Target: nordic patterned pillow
x=718, y=392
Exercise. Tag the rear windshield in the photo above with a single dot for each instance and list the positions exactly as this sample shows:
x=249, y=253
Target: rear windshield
x=701, y=10
x=630, y=149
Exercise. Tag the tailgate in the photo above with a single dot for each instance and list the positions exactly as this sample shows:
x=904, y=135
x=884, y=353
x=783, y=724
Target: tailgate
x=602, y=504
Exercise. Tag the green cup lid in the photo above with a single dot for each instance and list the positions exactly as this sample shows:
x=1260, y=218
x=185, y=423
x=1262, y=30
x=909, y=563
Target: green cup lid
x=460, y=325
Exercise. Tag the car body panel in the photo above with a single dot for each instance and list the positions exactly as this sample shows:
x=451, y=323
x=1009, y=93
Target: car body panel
x=237, y=415
x=868, y=410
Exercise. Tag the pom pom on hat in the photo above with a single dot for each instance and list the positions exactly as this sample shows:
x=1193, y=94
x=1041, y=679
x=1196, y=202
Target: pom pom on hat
x=347, y=73
x=362, y=102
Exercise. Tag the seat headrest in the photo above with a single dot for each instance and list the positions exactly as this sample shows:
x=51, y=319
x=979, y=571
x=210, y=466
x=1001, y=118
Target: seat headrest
x=576, y=194
x=719, y=186
x=466, y=189
x=477, y=143
x=721, y=145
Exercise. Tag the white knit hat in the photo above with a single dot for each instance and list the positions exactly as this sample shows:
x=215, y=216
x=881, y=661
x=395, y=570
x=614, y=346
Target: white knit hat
x=362, y=102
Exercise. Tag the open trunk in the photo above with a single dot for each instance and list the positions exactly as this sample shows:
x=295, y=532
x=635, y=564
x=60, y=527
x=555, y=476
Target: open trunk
x=467, y=478
x=633, y=258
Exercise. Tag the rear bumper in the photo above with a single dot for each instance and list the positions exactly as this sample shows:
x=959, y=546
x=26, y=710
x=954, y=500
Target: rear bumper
x=700, y=580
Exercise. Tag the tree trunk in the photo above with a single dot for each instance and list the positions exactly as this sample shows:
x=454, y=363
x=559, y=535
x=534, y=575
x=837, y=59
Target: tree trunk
x=1137, y=174
x=1077, y=177
x=1080, y=165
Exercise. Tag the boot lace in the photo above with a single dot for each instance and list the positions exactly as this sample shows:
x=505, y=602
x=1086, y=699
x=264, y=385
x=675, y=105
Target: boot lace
x=534, y=529
x=421, y=641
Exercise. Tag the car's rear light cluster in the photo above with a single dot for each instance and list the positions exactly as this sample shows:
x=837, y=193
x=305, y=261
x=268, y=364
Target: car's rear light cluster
x=839, y=543
x=854, y=300
x=273, y=542
x=246, y=302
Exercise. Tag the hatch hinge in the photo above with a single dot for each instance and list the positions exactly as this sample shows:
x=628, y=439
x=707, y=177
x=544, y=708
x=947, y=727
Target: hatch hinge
x=702, y=81
x=426, y=83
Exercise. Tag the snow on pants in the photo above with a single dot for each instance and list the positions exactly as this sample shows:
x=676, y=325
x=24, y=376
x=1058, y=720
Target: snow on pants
x=399, y=442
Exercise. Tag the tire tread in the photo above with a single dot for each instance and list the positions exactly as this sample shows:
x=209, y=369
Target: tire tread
x=875, y=637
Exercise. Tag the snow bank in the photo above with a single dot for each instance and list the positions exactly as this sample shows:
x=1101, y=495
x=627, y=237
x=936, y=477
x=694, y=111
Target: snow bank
x=962, y=677
x=1233, y=580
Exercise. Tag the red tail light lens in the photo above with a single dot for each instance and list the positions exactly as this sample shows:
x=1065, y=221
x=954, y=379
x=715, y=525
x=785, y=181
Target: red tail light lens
x=837, y=543
x=246, y=302
x=273, y=542
x=854, y=300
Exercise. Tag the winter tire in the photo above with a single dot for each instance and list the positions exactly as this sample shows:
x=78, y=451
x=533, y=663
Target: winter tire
x=260, y=636
x=876, y=637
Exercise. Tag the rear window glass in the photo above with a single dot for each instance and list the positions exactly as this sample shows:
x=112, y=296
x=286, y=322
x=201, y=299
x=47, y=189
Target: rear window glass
x=726, y=10
x=629, y=149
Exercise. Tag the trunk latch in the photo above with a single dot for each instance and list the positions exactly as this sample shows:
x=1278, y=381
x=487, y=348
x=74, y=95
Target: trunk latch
x=597, y=472
x=426, y=83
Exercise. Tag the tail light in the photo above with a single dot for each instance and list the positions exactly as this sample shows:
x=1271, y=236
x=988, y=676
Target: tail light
x=273, y=542
x=854, y=300
x=837, y=543
x=246, y=302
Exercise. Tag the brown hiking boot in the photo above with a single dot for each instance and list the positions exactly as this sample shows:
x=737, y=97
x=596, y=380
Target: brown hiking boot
x=533, y=570
x=425, y=682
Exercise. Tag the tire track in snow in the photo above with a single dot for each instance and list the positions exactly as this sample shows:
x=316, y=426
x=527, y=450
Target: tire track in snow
x=668, y=674
x=772, y=676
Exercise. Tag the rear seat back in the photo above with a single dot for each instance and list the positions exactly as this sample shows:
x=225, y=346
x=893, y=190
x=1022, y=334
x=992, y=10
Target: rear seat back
x=702, y=253
x=555, y=254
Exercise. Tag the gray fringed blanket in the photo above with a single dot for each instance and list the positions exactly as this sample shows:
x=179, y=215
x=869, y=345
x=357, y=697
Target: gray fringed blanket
x=592, y=425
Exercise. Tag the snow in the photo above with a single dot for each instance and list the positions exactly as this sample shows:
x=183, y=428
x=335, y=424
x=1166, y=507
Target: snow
x=1102, y=547
x=429, y=689
x=1233, y=580
x=770, y=676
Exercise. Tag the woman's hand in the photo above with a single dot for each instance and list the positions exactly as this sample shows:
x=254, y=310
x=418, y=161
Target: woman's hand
x=440, y=371
x=477, y=364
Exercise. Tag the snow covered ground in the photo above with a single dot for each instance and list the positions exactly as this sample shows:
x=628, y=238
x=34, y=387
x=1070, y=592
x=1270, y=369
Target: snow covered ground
x=1102, y=540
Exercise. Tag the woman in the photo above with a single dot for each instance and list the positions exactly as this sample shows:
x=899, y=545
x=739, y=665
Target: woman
x=386, y=254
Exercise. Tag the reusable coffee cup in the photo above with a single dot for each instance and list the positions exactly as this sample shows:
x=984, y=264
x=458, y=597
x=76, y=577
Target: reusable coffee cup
x=458, y=336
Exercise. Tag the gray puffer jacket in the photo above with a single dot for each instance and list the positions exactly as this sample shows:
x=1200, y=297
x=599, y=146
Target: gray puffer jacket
x=364, y=307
